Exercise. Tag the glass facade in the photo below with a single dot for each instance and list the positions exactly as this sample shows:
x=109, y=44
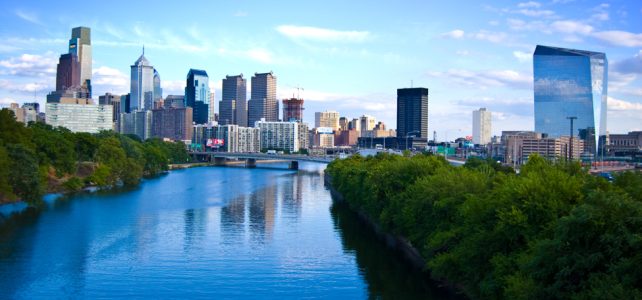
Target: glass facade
x=142, y=85
x=570, y=83
x=197, y=95
x=80, y=117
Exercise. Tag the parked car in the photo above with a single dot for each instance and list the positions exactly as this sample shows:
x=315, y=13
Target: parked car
x=606, y=175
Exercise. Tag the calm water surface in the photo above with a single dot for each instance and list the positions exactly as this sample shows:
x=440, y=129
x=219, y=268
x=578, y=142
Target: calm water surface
x=203, y=233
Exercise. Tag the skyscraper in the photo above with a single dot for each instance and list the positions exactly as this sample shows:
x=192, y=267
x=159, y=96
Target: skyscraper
x=142, y=84
x=481, y=126
x=263, y=103
x=80, y=45
x=293, y=110
x=197, y=95
x=570, y=83
x=412, y=112
x=233, y=107
x=68, y=72
x=158, y=91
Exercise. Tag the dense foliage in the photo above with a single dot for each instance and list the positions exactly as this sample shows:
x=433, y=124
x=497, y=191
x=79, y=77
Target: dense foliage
x=36, y=158
x=553, y=231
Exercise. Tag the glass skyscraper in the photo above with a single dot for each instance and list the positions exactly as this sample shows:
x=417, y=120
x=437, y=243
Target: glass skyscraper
x=233, y=107
x=197, y=95
x=263, y=103
x=412, y=112
x=570, y=83
x=142, y=85
x=80, y=45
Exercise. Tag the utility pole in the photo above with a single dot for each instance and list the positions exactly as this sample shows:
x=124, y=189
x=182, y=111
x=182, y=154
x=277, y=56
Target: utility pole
x=570, y=146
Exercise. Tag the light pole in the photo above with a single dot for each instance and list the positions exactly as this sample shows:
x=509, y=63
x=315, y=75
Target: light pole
x=570, y=146
x=409, y=134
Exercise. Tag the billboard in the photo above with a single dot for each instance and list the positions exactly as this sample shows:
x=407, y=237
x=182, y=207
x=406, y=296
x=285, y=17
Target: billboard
x=215, y=143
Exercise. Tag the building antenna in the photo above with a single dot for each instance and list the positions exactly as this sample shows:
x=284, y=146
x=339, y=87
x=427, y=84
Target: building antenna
x=143, y=49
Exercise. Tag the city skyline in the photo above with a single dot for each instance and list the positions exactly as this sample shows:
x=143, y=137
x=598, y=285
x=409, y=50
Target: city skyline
x=348, y=64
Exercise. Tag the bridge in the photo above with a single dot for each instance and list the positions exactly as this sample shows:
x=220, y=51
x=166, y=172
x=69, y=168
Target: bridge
x=250, y=159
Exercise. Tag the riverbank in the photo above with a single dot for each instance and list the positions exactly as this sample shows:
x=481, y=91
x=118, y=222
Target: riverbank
x=401, y=245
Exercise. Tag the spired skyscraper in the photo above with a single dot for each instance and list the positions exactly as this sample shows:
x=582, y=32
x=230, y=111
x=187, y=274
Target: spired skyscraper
x=412, y=112
x=142, y=85
x=263, y=103
x=233, y=107
x=197, y=95
x=570, y=83
x=80, y=45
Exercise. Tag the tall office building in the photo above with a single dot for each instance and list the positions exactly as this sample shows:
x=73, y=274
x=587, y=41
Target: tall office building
x=142, y=85
x=197, y=95
x=174, y=101
x=367, y=125
x=211, y=114
x=80, y=45
x=293, y=110
x=67, y=72
x=158, y=91
x=570, y=83
x=412, y=112
x=327, y=118
x=481, y=126
x=263, y=103
x=233, y=106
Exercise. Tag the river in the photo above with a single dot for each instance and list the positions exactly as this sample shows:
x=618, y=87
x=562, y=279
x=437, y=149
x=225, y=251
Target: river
x=209, y=232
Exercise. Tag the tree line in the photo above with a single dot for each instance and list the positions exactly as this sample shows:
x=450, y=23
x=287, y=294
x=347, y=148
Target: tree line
x=552, y=231
x=37, y=158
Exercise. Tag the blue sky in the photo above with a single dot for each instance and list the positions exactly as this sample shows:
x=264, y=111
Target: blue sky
x=349, y=56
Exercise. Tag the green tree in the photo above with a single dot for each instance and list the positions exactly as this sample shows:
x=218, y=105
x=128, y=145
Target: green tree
x=24, y=174
x=6, y=191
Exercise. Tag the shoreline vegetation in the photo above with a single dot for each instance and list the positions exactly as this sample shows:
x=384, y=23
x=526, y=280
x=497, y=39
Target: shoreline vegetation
x=37, y=158
x=551, y=232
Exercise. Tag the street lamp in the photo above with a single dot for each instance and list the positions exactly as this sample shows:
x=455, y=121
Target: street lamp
x=409, y=134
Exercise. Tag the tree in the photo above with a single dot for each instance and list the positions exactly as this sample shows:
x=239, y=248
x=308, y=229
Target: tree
x=24, y=174
x=6, y=191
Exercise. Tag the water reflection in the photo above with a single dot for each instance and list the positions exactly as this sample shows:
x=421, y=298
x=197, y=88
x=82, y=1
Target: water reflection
x=203, y=233
x=388, y=276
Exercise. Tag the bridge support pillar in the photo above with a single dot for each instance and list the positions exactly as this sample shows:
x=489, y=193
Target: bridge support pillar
x=294, y=165
x=250, y=163
x=219, y=161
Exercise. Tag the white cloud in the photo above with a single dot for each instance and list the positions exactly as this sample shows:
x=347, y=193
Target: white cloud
x=455, y=34
x=621, y=105
x=620, y=38
x=29, y=17
x=173, y=87
x=106, y=79
x=571, y=27
x=322, y=34
x=26, y=88
x=260, y=55
x=486, y=79
x=482, y=35
x=632, y=65
x=536, y=12
x=30, y=65
x=523, y=56
x=528, y=4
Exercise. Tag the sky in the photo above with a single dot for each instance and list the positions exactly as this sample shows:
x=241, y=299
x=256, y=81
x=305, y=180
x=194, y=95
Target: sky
x=348, y=56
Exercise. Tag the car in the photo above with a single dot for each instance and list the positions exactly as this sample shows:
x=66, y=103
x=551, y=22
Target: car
x=606, y=175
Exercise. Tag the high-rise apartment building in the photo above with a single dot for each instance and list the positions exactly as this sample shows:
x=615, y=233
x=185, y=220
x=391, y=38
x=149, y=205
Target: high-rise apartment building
x=142, y=85
x=233, y=106
x=172, y=123
x=412, y=112
x=80, y=45
x=90, y=118
x=570, y=83
x=327, y=118
x=293, y=110
x=280, y=135
x=263, y=103
x=197, y=95
x=481, y=126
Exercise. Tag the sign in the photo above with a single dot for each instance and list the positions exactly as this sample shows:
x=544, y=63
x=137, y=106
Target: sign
x=215, y=143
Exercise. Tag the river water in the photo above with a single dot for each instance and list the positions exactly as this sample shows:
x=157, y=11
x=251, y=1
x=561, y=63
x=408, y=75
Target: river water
x=210, y=232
